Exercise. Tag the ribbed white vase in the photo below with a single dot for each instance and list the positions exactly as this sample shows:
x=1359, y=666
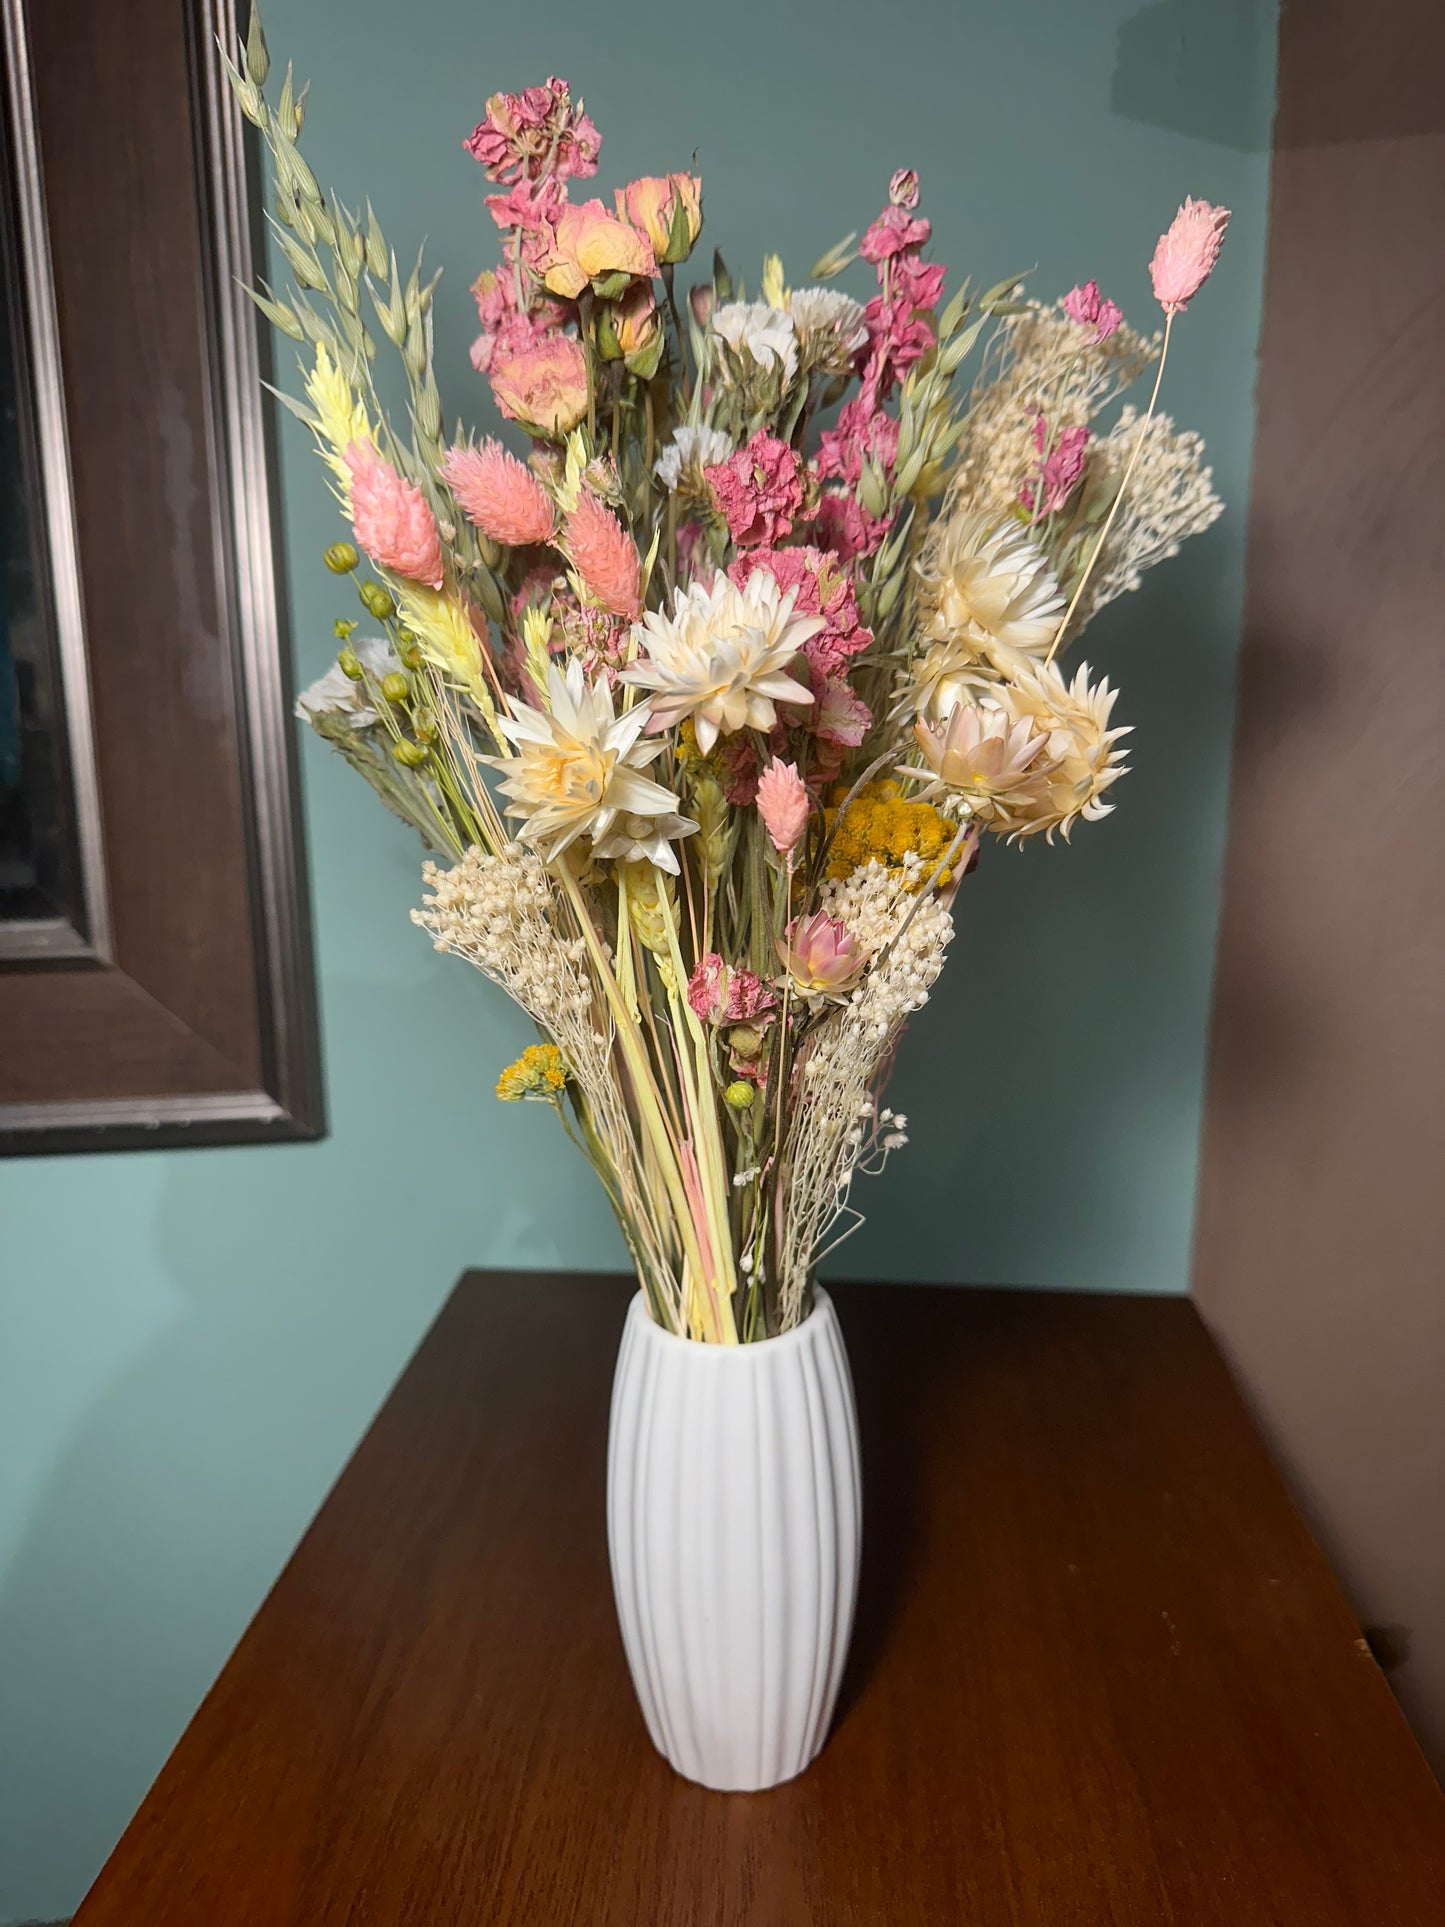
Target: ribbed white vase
x=733, y=1521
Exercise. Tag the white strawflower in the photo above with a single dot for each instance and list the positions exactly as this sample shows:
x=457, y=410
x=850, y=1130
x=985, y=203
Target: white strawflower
x=690, y=451
x=722, y=656
x=1081, y=747
x=765, y=333
x=830, y=325
x=336, y=694
x=990, y=601
x=577, y=773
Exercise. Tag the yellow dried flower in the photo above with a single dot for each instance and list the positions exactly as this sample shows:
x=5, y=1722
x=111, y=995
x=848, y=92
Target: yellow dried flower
x=881, y=826
x=538, y=1072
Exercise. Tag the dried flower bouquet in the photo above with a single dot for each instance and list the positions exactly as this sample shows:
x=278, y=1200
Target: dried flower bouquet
x=706, y=704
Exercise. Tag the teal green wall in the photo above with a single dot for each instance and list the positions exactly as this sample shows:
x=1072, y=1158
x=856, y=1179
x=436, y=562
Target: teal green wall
x=190, y=1343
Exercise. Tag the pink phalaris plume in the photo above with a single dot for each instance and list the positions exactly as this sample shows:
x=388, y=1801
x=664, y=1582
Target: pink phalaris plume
x=1186, y=254
x=499, y=495
x=783, y=805
x=605, y=556
x=1092, y=310
x=820, y=955
x=392, y=518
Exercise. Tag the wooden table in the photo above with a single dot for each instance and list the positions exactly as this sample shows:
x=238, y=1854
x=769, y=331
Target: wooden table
x=1101, y=1673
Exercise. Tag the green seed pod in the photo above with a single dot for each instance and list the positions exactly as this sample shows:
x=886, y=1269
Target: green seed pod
x=377, y=601
x=409, y=755
x=395, y=687
x=341, y=558
x=349, y=663
x=343, y=628
x=739, y=1096
x=410, y=653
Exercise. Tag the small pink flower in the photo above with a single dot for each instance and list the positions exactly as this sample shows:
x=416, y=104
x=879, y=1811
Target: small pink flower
x=1061, y=470
x=759, y=490
x=783, y=805
x=919, y=283
x=846, y=527
x=749, y=998
x=499, y=495
x=721, y=995
x=1091, y=310
x=525, y=134
x=893, y=231
x=820, y=955
x=543, y=386
x=841, y=716
x=605, y=556
x=707, y=988
x=589, y=244
x=903, y=188
x=1186, y=254
x=392, y=519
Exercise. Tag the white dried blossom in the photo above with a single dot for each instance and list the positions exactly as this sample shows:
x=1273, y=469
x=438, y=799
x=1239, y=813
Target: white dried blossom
x=335, y=693
x=690, y=451
x=830, y=325
x=765, y=334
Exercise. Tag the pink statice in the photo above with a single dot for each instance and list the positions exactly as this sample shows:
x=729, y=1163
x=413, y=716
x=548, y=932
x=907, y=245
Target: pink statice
x=535, y=132
x=1092, y=311
x=605, y=556
x=1186, y=254
x=392, y=519
x=1061, y=467
x=499, y=495
x=783, y=804
x=759, y=490
x=820, y=588
x=903, y=188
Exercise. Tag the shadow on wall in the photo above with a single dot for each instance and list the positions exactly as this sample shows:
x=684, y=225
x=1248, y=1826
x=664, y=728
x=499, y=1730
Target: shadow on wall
x=1190, y=65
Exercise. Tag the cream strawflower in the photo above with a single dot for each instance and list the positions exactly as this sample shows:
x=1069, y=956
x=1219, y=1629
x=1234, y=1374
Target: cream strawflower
x=722, y=656
x=577, y=772
x=1081, y=747
x=998, y=763
x=990, y=601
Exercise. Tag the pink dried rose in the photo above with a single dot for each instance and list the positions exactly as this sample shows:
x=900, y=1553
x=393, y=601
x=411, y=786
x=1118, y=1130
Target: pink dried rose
x=1186, y=254
x=527, y=134
x=783, y=805
x=903, y=188
x=820, y=955
x=590, y=245
x=392, y=519
x=1091, y=310
x=1061, y=470
x=759, y=490
x=605, y=556
x=499, y=495
x=544, y=386
x=668, y=210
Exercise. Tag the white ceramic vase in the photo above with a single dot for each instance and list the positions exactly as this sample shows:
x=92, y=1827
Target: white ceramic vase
x=733, y=1522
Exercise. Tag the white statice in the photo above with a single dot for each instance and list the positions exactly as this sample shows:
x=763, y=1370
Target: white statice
x=764, y=333
x=690, y=451
x=335, y=694
x=721, y=658
x=577, y=771
x=830, y=325
x=990, y=607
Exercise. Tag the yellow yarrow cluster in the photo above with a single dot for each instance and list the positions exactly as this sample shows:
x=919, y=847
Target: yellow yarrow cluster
x=538, y=1072
x=881, y=826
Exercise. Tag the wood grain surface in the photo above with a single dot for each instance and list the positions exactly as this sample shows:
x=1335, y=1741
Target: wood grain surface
x=1101, y=1673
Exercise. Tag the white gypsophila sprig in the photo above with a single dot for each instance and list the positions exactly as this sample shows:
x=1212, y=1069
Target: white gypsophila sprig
x=337, y=694
x=691, y=450
x=905, y=938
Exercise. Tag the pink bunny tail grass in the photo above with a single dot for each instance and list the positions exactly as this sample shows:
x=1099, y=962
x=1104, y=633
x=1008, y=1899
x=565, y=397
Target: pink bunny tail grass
x=393, y=519
x=1186, y=254
x=499, y=495
x=605, y=556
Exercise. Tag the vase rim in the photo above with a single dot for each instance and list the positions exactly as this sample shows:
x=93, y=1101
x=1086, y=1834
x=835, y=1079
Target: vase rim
x=821, y=1302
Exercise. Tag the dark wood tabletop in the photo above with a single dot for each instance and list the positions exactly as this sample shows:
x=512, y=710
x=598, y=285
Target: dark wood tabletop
x=1101, y=1673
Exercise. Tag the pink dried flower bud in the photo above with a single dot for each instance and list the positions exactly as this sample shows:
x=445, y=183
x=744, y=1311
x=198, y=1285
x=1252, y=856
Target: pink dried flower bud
x=1186, y=254
x=605, y=556
x=499, y=495
x=903, y=188
x=392, y=518
x=783, y=805
x=820, y=955
x=1092, y=310
x=543, y=386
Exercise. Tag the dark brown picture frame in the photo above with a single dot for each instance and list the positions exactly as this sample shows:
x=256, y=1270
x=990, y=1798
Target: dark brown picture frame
x=179, y=1008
